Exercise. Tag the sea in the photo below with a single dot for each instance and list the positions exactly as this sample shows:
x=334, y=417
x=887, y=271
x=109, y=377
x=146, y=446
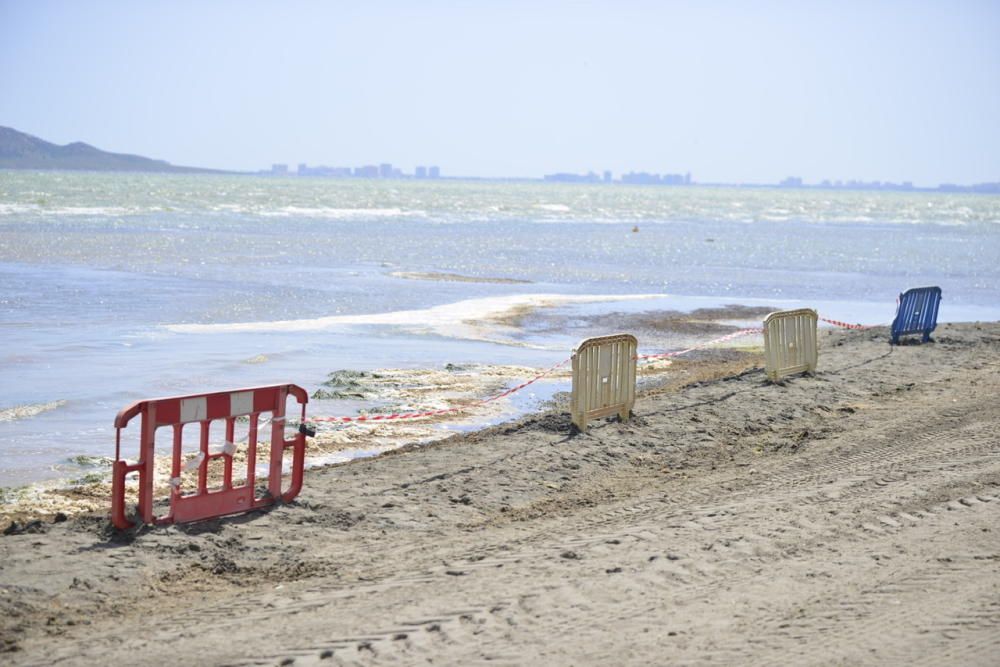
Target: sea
x=120, y=287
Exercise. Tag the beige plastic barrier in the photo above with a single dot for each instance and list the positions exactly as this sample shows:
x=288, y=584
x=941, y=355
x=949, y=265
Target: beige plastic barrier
x=603, y=378
x=790, y=342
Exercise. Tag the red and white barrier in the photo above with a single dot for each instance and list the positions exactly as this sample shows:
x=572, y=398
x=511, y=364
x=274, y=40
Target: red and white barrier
x=203, y=409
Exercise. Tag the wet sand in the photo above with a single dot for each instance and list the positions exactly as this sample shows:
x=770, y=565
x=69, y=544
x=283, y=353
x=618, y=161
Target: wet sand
x=845, y=518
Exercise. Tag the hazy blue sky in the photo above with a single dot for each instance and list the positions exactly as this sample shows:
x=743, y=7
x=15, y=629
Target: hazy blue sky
x=732, y=91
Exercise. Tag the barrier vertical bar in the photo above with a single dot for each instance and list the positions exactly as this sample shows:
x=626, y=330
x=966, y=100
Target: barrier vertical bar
x=277, y=444
x=147, y=449
x=252, y=450
x=230, y=450
x=203, y=465
x=175, y=465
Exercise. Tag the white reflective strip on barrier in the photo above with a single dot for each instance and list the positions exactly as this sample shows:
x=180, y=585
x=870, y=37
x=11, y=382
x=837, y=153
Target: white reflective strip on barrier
x=193, y=463
x=229, y=448
x=194, y=409
x=175, y=482
x=240, y=403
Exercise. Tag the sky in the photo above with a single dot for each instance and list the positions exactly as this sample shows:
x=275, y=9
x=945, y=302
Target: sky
x=730, y=91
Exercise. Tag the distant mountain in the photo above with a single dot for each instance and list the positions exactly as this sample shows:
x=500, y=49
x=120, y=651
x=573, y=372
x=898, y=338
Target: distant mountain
x=23, y=151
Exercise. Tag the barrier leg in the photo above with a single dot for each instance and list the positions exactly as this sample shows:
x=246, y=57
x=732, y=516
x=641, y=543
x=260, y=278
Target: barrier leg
x=147, y=461
x=118, y=517
x=277, y=445
x=298, y=466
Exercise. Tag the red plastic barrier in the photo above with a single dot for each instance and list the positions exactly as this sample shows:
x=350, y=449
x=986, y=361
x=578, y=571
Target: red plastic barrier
x=203, y=409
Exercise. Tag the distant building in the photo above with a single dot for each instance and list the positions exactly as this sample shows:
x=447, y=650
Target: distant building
x=368, y=171
x=607, y=176
x=687, y=178
x=589, y=177
x=323, y=170
x=640, y=178
x=791, y=182
x=420, y=172
x=279, y=169
x=385, y=170
x=434, y=172
x=854, y=185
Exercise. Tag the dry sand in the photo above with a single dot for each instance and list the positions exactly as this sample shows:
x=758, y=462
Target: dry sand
x=845, y=518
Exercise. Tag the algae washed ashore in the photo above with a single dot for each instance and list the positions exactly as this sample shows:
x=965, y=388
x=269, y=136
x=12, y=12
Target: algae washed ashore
x=120, y=287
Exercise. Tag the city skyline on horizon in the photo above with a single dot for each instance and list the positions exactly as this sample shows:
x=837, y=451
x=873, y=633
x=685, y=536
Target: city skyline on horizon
x=20, y=151
x=863, y=91
x=391, y=171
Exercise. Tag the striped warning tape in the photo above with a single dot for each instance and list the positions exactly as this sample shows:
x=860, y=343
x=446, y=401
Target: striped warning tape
x=700, y=346
x=549, y=371
x=845, y=325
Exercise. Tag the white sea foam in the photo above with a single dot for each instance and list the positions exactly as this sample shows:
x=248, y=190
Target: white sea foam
x=28, y=411
x=72, y=211
x=93, y=210
x=14, y=209
x=338, y=213
x=473, y=319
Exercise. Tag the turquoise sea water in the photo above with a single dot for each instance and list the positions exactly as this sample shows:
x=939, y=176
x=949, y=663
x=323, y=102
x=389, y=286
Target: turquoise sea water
x=102, y=275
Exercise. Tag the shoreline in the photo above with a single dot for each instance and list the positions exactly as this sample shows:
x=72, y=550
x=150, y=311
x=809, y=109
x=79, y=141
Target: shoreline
x=540, y=324
x=846, y=517
x=342, y=444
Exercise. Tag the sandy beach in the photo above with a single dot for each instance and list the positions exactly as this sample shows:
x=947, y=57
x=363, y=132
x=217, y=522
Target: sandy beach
x=846, y=518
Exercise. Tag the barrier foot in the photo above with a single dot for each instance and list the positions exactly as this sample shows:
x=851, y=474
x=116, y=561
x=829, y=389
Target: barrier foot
x=118, y=518
x=298, y=465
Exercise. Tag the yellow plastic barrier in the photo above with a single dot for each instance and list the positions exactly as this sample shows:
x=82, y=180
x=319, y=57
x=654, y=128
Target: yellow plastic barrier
x=603, y=378
x=790, y=342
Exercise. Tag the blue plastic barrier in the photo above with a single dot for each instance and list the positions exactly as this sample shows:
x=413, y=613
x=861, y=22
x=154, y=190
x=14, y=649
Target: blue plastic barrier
x=916, y=312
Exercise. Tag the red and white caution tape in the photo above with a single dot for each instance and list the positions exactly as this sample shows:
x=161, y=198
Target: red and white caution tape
x=444, y=411
x=666, y=355
x=845, y=325
x=549, y=371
